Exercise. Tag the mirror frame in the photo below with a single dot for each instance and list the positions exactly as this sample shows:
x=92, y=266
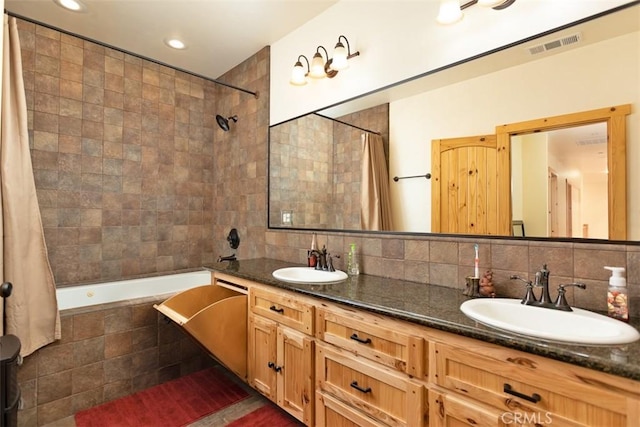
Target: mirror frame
x=615, y=117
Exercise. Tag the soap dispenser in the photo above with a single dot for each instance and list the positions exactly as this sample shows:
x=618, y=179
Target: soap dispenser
x=617, y=297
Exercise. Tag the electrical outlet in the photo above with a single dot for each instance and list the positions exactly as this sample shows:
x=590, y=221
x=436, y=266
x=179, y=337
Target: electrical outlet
x=287, y=217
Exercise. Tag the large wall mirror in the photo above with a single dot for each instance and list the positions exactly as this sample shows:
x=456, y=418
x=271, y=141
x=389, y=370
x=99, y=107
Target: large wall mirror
x=314, y=160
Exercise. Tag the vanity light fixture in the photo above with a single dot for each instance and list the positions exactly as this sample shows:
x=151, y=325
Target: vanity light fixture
x=321, y=67
x=72, y=5
x=451, y=10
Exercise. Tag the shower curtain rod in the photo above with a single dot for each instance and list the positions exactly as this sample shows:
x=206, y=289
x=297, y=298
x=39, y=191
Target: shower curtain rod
x=348, y=124
x=256, y=94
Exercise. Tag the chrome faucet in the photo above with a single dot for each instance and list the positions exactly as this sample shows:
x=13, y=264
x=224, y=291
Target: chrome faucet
x=542, y=281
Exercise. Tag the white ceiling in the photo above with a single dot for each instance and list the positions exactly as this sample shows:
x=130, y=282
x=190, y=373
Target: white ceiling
x=219, y=34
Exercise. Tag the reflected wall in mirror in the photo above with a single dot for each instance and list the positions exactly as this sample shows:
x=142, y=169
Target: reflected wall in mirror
x=314, y=169
x=509, y=86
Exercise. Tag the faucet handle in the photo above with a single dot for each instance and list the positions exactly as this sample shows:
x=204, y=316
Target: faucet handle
x=561, y=302
x=529, y=297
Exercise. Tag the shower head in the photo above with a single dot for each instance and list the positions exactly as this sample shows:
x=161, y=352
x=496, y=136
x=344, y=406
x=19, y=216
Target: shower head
x=224, y=123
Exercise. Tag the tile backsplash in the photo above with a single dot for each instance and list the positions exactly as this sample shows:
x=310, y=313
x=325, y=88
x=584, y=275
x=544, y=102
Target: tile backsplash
x=446, y=261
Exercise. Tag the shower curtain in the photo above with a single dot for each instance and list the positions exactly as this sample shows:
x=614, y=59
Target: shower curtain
x=32, y=309
x=375, y=199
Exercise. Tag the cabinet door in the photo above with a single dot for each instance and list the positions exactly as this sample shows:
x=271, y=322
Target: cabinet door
x=262, y=355
x=295, y=374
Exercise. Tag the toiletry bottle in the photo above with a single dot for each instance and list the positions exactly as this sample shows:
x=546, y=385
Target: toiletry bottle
x=352, y=261
x=617, y=297
x=312, y=258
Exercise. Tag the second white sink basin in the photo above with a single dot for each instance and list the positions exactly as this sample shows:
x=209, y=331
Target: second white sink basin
x=308, y=275
x=575, y=327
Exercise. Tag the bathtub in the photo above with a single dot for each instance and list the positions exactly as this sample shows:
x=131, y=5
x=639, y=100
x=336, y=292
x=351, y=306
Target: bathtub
x=102, y=293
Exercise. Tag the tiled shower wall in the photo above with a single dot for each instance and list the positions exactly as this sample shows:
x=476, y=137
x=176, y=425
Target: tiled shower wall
x=122, y=152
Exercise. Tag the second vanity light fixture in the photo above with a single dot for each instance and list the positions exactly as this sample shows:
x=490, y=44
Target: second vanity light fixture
x=451, y=10
x=319, y=67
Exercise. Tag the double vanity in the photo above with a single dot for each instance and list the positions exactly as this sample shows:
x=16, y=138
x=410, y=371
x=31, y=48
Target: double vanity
x=371, y=351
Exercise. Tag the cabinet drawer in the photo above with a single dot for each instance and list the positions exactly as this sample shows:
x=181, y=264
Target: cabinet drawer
x=284, y=307
x=331, y=412
x=515, y=381
x=377, y=338
x=447, y=409
x=380, y=392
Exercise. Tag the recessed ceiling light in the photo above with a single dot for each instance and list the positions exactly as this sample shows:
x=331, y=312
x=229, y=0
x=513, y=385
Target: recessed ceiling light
x=175, y=44
x=73, y=5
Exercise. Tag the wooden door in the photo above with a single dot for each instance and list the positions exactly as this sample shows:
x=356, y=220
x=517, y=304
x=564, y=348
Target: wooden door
x=262, y=355
x=296, y=375
x=471, y=189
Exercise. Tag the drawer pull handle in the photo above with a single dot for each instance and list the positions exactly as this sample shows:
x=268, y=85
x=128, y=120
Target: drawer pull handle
x=355, y=337
x=277, y=310
x=534, y=398
x=271, y=365
x=355, y=385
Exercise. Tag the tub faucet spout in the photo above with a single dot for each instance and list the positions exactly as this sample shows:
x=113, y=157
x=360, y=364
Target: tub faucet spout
x=227, y=258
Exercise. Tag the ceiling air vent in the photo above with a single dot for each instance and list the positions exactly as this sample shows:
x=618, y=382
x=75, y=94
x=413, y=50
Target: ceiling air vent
x=553, y=44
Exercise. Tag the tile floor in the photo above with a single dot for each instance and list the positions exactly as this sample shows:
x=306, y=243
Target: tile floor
x=218, y=419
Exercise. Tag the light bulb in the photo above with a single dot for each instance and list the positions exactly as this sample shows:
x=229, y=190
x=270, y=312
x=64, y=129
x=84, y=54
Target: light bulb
x=339, y=60
x=450, y=12
x=317, y=67
x=298, y=75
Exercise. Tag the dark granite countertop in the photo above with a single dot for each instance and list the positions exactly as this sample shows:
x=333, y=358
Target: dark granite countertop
x=438, y=307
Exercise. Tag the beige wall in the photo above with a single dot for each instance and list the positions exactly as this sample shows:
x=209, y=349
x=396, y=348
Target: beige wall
x=399, y=40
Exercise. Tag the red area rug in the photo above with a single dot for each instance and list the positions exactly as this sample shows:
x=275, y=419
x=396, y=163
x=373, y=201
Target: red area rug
x=266, y=416
x=171, y=404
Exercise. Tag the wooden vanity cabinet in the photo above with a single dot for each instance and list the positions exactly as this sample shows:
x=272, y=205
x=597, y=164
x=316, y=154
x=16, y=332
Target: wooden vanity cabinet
x=281, y=354
x=523, y=386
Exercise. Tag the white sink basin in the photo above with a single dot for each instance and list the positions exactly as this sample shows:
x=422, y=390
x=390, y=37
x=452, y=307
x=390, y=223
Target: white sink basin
x=574, y=327
x=308, y=275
